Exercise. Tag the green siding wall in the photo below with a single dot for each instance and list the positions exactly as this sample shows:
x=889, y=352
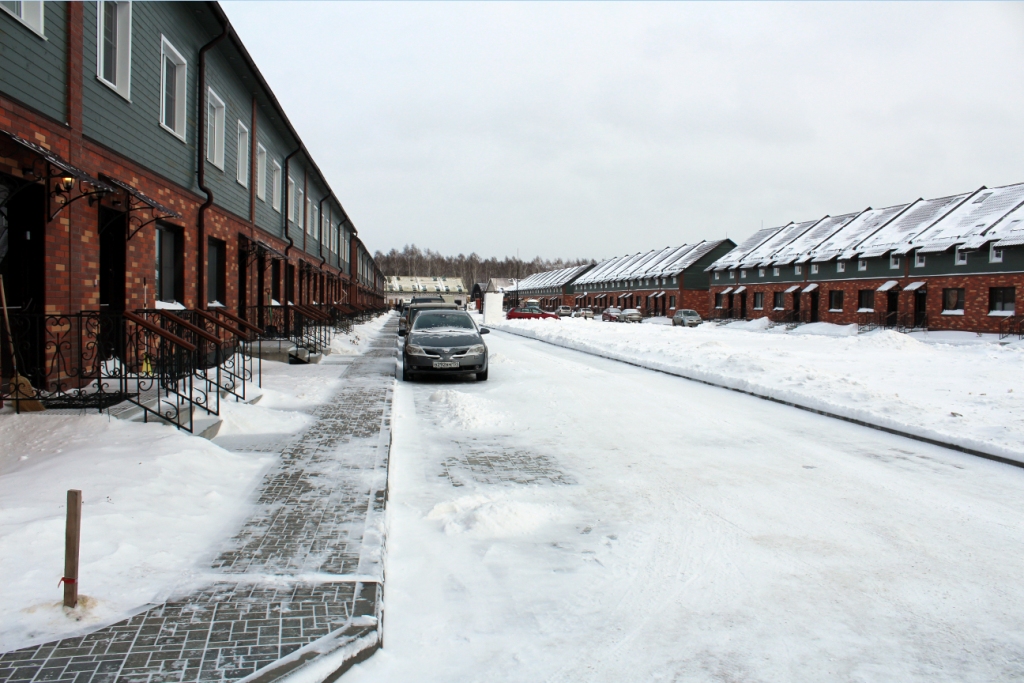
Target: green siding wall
x=33, y=69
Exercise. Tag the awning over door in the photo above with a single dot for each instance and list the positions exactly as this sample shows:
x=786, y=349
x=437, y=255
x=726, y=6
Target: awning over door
x=792, y=289
x=887, y=286
x=740, y=289
x=810, y=288
x=726, y=290
x=914, y=285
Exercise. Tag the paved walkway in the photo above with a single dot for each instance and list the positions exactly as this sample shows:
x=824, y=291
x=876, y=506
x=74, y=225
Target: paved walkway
x=304, y=575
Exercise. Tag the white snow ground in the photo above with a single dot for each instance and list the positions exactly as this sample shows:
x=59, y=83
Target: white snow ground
x=158, y=503
x=662, y=529
x=954, y=387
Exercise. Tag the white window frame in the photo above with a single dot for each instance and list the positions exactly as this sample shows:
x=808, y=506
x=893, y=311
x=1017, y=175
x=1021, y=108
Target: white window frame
x=862, y=265
x=775, y=272
x=167, y=50
x=743, y=274
x=31, y=14
x=760, y=272
x=840, y=266
x=300, y=207
x=814, y=269
x=242, y=154
x=995, y=254
x=215, y=142
x=314, y=219
x=798, y=270
x=718, y=275
x=960, y=257
x=122, y=83
x=261, y=172
x=275, y=189
x=291, y=199
x=919, y=260
x=894, y=262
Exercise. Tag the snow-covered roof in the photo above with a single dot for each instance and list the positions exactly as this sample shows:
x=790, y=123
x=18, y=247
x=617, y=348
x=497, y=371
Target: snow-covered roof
x=762, y=255
x=1009, y=231
x=732, y=259
x=968, y=222
x=651, y=264
x=851, y=234
x=799, y=249
x=896, y=234
x=551, y=278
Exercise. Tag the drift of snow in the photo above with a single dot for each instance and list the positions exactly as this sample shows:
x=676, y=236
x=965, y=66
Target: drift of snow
x=957, y=390
x=358, y=338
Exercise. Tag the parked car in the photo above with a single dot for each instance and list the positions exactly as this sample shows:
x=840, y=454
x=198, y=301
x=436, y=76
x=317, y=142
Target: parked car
x=409, y=315
x=563, y=311
x=630, y=315
x=611, y=314
x=687, y=318
x=528, y=312
x=444, y=342
x=583, y=313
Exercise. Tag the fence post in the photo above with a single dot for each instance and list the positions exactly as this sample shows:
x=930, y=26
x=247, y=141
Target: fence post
x=72, y=537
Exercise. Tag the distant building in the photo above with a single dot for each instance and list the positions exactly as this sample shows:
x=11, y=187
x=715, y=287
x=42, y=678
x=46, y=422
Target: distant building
x=402, y=288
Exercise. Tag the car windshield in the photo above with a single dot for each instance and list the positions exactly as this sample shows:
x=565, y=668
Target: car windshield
x=530, y=309
x=435, y=319
x=690, y=313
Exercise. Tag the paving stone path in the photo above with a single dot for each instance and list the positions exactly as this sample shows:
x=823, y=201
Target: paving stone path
x=302, y=577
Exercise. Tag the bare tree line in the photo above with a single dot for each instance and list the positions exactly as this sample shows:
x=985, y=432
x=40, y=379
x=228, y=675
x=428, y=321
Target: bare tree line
x=412, y=260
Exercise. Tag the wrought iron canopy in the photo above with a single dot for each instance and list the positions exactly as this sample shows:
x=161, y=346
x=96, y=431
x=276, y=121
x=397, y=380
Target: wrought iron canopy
x=139, y=201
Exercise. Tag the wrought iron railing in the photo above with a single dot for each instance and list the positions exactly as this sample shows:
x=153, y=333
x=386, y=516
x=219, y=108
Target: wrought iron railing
x=1012, y=325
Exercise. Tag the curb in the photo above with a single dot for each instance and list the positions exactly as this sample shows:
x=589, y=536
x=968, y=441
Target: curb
x=863, y=423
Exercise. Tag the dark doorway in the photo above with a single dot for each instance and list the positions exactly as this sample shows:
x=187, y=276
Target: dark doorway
x=743, y=305
x=892, y=307
x=731, y=302
x=22, y=246
x=814, y=306
x=289, y=283
x=113, y=239
x=796, y=302
x=921, y=308
x=170, y=265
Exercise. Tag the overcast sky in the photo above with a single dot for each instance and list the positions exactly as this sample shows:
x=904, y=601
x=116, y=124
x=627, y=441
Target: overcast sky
x=596, y=129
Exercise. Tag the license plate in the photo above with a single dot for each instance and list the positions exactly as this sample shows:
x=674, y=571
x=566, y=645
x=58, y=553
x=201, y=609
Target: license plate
x=445, y=364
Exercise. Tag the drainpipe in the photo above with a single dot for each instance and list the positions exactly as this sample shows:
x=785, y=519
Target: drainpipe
x=288, y=237
x=201, y=155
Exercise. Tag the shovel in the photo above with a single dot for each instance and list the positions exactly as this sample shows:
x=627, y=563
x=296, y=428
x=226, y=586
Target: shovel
x=21, y=389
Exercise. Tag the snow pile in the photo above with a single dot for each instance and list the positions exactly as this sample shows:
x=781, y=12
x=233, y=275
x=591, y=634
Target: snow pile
x=156, y=502
x=960, y=394
x=464, y=411
x=244, y=418
x=492, y=516
x=755, y=325
x=358, y=339
x=658, y=320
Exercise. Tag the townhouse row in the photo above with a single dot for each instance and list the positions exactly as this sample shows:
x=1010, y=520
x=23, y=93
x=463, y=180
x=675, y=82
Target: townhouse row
x=146, y=163
x=951, y=263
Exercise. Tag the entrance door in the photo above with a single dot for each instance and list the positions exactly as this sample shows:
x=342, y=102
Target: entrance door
x=892, y=307
x=921, y=308
x=814, y=306
x=113, y=239
x=796, y=304
x=22, y=247
x=743, y=305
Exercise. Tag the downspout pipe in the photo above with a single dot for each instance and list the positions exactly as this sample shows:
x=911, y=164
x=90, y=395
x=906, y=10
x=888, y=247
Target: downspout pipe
x=320, y=231
x=287, y=198
x=201, y=155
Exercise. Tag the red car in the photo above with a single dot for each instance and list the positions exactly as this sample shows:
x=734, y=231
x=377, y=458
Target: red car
x=611, y=314
x=528, y=312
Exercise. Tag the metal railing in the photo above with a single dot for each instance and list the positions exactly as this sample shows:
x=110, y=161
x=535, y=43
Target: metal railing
x=1012, y=325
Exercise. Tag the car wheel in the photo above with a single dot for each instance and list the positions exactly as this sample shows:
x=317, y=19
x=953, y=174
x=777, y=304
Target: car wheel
x=406, y=375
x=481, y=376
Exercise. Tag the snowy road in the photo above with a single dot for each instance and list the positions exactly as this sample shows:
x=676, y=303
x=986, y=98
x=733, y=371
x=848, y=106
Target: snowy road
x=578, y=519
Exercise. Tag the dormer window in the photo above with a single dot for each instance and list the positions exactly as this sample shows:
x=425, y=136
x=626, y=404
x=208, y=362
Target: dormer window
x=995, y=254
x=814, y=269
x=894, y=262
x=798, y=270
x=760, y=272
x=840, y=266
x=862, y=265
x=919, y=260
x=718, y=275
x=743, y=273
x=961, y=257
x=775, y=272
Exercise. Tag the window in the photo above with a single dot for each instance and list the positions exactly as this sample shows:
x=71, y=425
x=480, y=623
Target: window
x=814, y=269
x=798, y=270
x=275, y=187
x=114, y=45
x=718, y=300
x=953, y=299
x=672, y=301
x=261, y=172
x=1002, y=300
x=995, y=254
x=775, y=272
x=291, y=200
x=215, y=289
x=758, y=301
x=778, y=301
x=30, y=13
x=894, y=262
x=961, y=257
x=866, y=301
x=718, y=275
x=242, y=158
x=215, y=113
x=840, y=266
x=170, y=265
x=835, y=300
x=919, y=260
x=732, y=274
x=173, y=79
x=862, y=265
x=760, y=272
x=743, y=273
x=314, y=220
x=307, y=216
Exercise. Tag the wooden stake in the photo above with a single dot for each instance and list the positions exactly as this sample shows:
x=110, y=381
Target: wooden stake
x=72, y=538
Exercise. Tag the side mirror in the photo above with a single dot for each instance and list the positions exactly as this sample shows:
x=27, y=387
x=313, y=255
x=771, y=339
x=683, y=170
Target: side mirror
x=484, y=330
x=402, y=333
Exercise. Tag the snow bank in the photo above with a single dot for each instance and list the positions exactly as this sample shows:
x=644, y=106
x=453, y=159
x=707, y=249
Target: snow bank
x=464, y=411
x=358, y=339
x=955, y=393
x=493, y=516
x=755, y=325
x=156, y=502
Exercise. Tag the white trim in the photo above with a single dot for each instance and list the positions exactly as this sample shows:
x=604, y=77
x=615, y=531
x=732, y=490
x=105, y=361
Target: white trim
x=123, y=67
x=242, y=170
x=215, y=146
x=862, y=265
x=958, y=311
x=181, y=90
x=957, y=261
x=840, y=266
x=261, y=172
x=865, y=310
x=993, y=257
x=275, y=179
x=919, y=260
x=32, y=20
x=1001, y=314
